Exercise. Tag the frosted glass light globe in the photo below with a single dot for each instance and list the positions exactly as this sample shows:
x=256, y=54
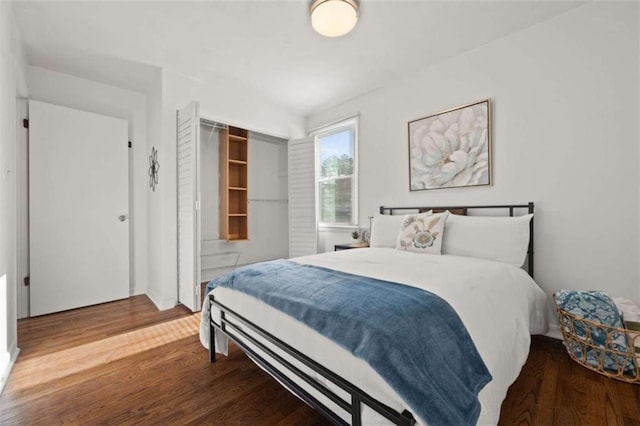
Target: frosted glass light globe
x=334, y=18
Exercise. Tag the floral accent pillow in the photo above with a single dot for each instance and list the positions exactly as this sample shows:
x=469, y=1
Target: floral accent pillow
x=422, y=233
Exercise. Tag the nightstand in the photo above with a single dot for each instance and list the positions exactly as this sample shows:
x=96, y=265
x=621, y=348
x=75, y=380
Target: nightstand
x=347, y=246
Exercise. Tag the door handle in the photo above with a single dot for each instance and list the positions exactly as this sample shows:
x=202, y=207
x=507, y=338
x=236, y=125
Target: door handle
x=122, y=218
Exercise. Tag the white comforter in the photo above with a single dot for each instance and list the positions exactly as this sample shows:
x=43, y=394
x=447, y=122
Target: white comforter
x=499, y=304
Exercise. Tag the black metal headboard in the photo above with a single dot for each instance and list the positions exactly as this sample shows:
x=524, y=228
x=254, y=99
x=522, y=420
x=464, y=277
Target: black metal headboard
x=462, y=210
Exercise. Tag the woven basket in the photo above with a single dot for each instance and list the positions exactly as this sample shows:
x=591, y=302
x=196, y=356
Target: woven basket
x=568, y=325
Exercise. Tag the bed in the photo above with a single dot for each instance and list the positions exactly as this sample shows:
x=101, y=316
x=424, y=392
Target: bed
x=498, y=303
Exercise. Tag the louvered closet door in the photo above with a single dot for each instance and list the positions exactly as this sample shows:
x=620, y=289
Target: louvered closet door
x=303, y=233
x=188, y=158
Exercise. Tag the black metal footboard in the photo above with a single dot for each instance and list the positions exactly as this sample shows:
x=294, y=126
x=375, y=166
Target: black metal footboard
x=232, y=325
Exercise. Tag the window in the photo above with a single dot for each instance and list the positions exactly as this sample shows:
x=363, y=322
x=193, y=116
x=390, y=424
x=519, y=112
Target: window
x=336, y=173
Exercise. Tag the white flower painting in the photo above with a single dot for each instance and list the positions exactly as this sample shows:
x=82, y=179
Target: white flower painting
x=451, y=149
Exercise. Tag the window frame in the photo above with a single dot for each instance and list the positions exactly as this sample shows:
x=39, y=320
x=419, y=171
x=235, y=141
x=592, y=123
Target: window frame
x=350, y=123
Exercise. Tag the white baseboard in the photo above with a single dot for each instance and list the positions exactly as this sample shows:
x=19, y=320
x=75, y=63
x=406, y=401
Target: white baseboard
x=161, y=304
x=554, y=331
x=137, y=291
x=7, y=366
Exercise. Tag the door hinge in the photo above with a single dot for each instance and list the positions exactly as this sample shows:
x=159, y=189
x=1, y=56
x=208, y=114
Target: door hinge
x=25, y=123
x=130, y=144
x=27, y=281
x=197, y=205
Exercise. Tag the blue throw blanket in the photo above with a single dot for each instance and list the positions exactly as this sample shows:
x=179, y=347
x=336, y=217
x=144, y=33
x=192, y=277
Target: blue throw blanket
x=410, y=337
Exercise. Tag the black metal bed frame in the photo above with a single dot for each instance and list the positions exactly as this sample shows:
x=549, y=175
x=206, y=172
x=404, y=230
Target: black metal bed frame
x=358, y=396
x=233, y=324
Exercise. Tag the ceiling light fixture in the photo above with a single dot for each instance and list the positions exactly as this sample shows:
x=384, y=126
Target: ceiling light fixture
x=334, y=18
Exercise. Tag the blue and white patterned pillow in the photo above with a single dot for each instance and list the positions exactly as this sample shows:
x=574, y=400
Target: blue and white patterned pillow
x=598, y=307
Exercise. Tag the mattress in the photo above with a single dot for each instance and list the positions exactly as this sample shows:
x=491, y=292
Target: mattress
x=500, y=305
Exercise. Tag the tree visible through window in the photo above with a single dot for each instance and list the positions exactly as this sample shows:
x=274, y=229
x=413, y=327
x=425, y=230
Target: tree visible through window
x=336, y=175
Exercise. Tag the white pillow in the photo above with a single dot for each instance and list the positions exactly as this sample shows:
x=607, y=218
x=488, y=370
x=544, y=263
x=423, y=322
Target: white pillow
x=422, y=233
x=384, y=230
x=503, y=239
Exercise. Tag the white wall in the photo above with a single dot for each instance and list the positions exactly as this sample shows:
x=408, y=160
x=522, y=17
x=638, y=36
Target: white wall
x=223, y=101
x=12, y=86
x=565, y=117
x=328, y=237
x=87, y=95
x=153, y=198
x=209, y=188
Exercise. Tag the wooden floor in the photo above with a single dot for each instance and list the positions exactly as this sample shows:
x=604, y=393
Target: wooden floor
x=554, y=390
x=127, y=363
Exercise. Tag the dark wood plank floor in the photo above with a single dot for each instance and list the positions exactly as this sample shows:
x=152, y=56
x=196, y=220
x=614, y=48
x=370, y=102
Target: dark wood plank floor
x=127, y=363
x=554, y=390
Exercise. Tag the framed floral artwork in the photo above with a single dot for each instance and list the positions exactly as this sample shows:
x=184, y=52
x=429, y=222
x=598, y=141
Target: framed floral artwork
x=451, y=149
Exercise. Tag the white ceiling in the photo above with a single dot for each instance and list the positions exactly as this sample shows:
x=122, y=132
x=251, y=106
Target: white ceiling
x=266, y=45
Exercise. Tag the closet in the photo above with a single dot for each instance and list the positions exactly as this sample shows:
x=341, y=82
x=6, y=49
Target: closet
x=232, y=200
x=243, y=197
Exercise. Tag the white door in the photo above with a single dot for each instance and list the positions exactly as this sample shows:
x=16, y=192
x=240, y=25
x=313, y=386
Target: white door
x=78, y=208
x=188, y=170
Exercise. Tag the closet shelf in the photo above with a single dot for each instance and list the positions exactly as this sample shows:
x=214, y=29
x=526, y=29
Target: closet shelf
x=233, y=159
